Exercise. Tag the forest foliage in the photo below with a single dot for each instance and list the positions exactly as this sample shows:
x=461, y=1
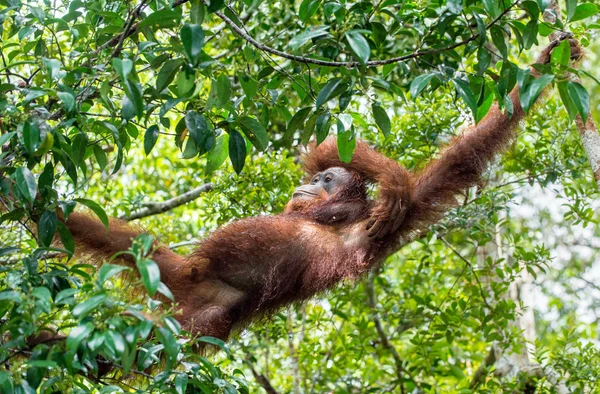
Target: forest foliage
x=109, y=105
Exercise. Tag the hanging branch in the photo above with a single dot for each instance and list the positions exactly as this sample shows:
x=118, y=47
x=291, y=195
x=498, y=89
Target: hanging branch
x=350, y=64
x=588, y=131
x=241, y=30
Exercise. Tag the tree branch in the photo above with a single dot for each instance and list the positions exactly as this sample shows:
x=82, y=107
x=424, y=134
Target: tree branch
x=373, y=63
x=350, y=64
x=262, y=379
x=154, y=208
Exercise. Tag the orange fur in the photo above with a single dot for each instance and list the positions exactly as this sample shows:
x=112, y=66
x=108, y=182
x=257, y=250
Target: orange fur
x=253, y=266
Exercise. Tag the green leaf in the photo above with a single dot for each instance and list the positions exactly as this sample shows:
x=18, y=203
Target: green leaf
x=499, y=39
x=249, y=85
x=66, y=296
x=133, y=91
x=170, y=344
x=215, y=341
x=580, y=98
x=307, y=9
x=42, y=363
x=31, y=136
x=8, y=251
x=78, y=148
x=161, y=19
x=265, y=72
x=322, y=126
x=223, y=90
x=584, y=11
x=9, y=295
x=382, y=119
x=302, y=38
x=464, y=91
x=186, y=82
x=47, y=228
x=454, y=6
x=485, y=106
x=53, y=68
x=181, y=381
x=379, y=35
x=532, y=8
x=150, y=274
x=97, y=209
x=200, y=131
x=100, y=156
x=334, y=87
x=215, y=5
x=484, y=59
x=297, y=121
x=127, y=358
x=346, y=141
x=192, y=37
x=81, y=310
x=561, y=54
x=197, y=12
x=78, y=334
x=571, y=8
x=107, y=271
x=26, y=184
x=216, y=157
x=123, y=67
x=167, y=73
x=255, y=132
x=237, y=150
x=68, y=100
x=66, y=238
x=359, y=45
x=566, y=99
x=345, y=99
x=5, y=137
x=491, y=6
x=533, y=90
x=164, y=290
x=530, y=34
x=191, y=149
x=419, y=83
x=34, y=94
x=150, y=138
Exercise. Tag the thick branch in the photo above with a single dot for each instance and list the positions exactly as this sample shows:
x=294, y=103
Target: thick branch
x=154, y=208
